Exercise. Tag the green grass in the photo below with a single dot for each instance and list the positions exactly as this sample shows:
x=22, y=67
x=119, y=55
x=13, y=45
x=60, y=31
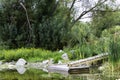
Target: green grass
x=31, y=55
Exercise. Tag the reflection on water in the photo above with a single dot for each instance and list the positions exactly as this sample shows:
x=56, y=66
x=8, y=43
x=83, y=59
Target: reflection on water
x=35, y=74
x=20, y=69
x=32, y=74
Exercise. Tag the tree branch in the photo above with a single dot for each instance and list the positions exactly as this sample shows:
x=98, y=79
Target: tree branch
x=30, y=31
x=106, y=10
x=26, y=15
x=85, y=12
x=72, y=5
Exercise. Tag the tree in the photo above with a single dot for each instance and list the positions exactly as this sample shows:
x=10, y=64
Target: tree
x=104, y=19
x=34, y=23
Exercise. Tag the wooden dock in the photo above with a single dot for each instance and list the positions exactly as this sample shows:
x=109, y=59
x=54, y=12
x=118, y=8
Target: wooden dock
x=79, y=66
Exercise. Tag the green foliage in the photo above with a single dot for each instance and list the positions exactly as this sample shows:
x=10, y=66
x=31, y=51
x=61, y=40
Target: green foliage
x=50, y=24
x=104, y=19
x=81, y=32
x=86, y=43
x=85, y=40
x=88, y=49
x=29, y=54
x=52, y=34
x=112, y=40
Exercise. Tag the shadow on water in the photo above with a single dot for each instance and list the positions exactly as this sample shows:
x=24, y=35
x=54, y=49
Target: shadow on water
x=35, y=74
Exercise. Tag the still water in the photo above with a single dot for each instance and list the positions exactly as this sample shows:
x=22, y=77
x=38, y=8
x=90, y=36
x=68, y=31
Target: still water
x=35, y=74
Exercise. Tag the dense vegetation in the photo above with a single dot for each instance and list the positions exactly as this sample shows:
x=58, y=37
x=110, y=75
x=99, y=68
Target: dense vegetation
x=53, y=25
x=45, y=27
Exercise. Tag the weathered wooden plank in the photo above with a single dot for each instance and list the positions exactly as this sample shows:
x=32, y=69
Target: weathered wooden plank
x=87, y=61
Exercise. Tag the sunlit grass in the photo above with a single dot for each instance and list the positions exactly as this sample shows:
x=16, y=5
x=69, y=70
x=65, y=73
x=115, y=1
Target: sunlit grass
x=29, y=54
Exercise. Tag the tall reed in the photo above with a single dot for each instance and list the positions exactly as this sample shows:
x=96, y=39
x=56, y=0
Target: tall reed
x=114, y=48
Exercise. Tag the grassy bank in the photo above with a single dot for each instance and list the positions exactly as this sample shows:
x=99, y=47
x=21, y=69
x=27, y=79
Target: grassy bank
x=32, y=55
x=35, y=55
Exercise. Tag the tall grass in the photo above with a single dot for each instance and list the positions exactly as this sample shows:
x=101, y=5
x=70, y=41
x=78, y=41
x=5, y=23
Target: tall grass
x=115, y=49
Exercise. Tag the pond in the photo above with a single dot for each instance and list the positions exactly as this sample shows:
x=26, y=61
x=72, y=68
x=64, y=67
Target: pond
x=37, y=74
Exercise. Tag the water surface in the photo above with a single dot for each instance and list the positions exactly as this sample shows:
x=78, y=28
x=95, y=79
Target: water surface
x=35, y=74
